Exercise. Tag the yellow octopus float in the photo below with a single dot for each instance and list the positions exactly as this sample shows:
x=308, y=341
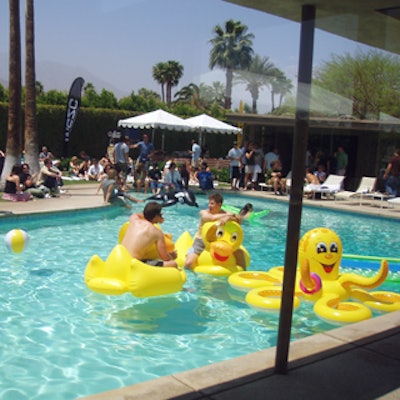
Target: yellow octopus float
x=222, y=242
x=318, y=280
x=121, y=273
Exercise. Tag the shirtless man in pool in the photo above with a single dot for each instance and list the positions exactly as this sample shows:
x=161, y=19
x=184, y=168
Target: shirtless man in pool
x=141, y=234
x=213, y=213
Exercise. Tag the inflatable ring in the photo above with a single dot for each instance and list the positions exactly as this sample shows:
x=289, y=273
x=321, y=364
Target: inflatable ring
x=267, y=298
x=217, y=270
x=247, y=280
x=385, y=301
x=379, y=300
x=331, y=309
x=251, y=218
x=317, y=287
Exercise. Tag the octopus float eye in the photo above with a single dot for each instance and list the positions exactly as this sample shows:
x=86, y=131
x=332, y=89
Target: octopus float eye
x=219, y=233
x=334, y=247
x=234, y=237
x=321, y=248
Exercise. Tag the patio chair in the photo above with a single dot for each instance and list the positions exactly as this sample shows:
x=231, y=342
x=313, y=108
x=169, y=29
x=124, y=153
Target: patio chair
x=394, y=202
x=366, y=185
x=329, y=188
x=382, y=197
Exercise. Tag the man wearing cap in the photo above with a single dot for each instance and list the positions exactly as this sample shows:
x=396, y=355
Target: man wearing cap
x=234, y=155
x=146, y=149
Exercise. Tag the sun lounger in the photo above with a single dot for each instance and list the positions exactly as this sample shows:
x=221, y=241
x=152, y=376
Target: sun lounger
x=366, y=186
x=394, y=202
x=329, y=188
x=382, y=197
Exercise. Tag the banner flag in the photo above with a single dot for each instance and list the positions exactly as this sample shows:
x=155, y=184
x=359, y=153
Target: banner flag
x=73, y=103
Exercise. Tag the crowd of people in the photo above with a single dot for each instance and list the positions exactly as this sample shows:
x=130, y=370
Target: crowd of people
x=249, y=166
x=21, y=185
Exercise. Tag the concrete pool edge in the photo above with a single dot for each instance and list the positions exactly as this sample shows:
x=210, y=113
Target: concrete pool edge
x=233, y=376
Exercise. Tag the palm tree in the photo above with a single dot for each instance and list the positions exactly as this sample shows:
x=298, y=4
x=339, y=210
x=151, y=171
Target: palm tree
x=189, y=94
x=280, y=85
x=13, y=145
x=159, y=75
x=216, y=92
x=173, y=72
x=255, y=77
x=286, y=87
x=31, y=136
x=231, y=50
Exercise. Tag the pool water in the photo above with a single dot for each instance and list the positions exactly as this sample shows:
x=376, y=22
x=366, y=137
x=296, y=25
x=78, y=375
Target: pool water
x=61, y=341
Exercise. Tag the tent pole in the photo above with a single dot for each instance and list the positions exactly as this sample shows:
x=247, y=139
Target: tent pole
x=300, y=138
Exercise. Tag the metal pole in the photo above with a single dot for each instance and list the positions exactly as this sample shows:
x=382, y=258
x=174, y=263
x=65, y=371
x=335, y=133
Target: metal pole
x=296, y=196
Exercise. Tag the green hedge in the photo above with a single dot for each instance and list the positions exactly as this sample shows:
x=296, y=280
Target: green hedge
x=90, y=132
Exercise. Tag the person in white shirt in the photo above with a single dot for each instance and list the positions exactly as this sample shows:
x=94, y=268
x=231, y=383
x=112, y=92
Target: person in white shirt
x=95, y=171
x=195, y=152
x=234, y=155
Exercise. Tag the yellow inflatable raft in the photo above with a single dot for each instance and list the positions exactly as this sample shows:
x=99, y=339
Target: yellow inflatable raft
x=121, y=273
x=222, y=242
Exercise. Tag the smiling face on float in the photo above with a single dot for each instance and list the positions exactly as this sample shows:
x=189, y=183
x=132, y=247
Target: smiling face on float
x=323, y=249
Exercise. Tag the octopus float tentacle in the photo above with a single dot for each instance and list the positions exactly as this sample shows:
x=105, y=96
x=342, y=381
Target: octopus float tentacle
x=348, y=280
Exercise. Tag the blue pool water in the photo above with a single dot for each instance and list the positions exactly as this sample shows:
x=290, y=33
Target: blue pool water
x=61, y=341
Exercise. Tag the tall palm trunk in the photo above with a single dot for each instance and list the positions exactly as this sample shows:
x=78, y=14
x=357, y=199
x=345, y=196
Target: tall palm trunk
x=229, y=84
x=13, y=145
x=31, y=139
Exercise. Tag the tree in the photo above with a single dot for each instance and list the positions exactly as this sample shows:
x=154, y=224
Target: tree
x=31, y=136
x=280, y=85
x=3, y=93
x=260, y=72
x=370, y=80
x=231, y=51
x=189, y=94
x=214, y=94
x=13, y=145
x=90, y=97
x=173, y=72
x=159, y=75
x=53, y=97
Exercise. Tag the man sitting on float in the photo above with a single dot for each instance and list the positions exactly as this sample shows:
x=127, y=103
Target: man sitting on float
x=213, y=213
x=141, y=235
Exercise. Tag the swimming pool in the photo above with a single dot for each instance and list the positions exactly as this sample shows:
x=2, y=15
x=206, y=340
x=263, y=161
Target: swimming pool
x=60, y=340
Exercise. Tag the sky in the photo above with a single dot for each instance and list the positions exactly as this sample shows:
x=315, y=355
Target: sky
x=114, y=44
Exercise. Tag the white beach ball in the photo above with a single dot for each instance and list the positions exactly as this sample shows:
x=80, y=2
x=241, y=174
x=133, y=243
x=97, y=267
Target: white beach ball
x=16, y=240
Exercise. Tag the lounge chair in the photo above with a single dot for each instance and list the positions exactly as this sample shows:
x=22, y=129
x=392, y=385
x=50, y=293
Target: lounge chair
x=381, y=197
x=329, y=188
x=394, y=202
x=366, y=185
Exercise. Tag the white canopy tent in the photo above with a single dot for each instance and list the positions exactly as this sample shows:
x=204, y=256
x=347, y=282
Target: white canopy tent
x=158, y=119
x=205, y=124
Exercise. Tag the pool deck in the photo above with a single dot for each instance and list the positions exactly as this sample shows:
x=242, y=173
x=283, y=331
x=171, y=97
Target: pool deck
x=357, y=361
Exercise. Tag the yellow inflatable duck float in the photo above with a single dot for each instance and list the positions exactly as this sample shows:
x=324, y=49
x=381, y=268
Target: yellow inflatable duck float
x=319, y=280
x=221, y=242
x=121, y=273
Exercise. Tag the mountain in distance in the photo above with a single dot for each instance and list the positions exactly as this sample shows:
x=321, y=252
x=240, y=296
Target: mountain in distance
x=53, y=75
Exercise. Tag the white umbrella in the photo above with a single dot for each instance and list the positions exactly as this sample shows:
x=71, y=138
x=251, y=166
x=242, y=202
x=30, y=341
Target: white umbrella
x=208, y=124
x=156, y=119
x=205, y=124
